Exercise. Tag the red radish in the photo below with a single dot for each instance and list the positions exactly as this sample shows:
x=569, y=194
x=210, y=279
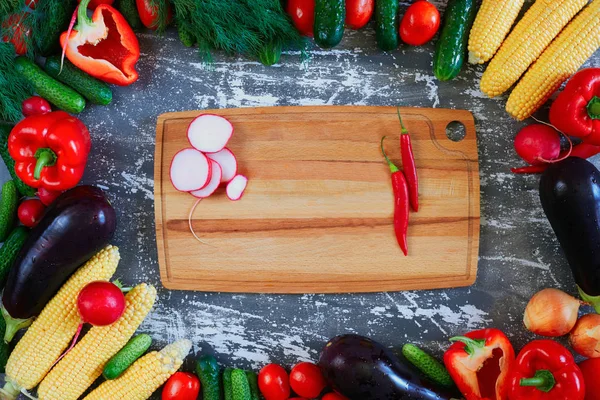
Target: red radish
x=537, y=144
x=235, y=188
x=35, y=105
x=213, y=184
x=228, y=163
x=47, y=196
x=209, y=133
x=190, y=170
x=30, y=212
x=101, y=303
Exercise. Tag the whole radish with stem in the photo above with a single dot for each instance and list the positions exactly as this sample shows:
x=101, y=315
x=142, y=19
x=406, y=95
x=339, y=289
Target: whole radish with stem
x=539, y=144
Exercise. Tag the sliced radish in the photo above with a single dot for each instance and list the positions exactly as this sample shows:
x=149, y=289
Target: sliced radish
x=213, y=184
x=227, y=161
x=209, y=133
x=235, y=188
x=190, y=170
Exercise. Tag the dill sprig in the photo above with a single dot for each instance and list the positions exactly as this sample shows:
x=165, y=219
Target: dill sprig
x=13, y=87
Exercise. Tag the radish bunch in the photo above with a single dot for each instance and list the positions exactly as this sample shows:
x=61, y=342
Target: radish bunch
x=202, y=168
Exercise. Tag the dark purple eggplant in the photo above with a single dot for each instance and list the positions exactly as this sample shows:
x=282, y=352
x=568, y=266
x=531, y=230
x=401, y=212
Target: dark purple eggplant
x=78, y=224
x=570, y=196
x=362, y=369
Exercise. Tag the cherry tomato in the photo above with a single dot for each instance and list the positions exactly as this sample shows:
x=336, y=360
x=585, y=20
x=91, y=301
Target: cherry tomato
x=95, y=3
x=420, y=23
x=47, y=196
x=334, y=396
x=307, y=380
x=149, y=13
x=35, y=105
x=16, y=32
x=358, y=12
x=181, y=386
x=303, y=15
x=30, y=212
x=274, y=383
x=591, y=369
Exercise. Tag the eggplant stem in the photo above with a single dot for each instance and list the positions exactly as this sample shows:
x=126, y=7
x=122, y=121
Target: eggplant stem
x=13, y=325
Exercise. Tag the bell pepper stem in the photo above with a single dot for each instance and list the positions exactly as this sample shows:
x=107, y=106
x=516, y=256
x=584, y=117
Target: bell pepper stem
x=82, y=17
x=593, y=108
x=45, y=158
x=471, y=345
x=542, y=380
x=403, y=130
x=594, y=301
x=393, y=167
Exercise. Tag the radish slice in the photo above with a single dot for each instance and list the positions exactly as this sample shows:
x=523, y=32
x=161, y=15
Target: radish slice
x=190, y=170
x=227, y=161
x=213, y=184
x=235, y=188
x=209, y=133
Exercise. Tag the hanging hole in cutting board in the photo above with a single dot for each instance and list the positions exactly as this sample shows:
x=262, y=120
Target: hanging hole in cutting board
x=456, y=131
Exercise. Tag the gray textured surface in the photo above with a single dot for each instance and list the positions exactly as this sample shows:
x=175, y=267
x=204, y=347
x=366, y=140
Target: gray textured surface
x=518, y=256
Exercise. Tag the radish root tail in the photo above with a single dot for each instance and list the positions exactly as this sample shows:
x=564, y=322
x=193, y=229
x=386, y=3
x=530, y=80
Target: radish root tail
x=79, y=328
x=190, y=221
x=562, y=133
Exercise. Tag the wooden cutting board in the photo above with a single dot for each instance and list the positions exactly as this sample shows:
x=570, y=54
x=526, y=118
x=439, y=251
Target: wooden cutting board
x=317, y=214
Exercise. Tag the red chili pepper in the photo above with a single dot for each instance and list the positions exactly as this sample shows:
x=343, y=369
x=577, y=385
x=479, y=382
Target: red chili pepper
x=546, y=370
x=408, y=165
x=50, y=150
x=582, y=150
x=401, y=203
x=104, y=45
x=479, y=363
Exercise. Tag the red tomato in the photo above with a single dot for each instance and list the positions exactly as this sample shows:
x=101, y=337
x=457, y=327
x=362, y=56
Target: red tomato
x=95, y=3
x=420, y=23
x=181, y=386
x=30, y=212
x=101, y=303
x=35, y=105
x=47, y=196
x=591, y=376
x=303, y=15
x=274, y=383
x=149, y=14
x=359, y=12
x=334, y=396
x=307, y=380
x=16, y=32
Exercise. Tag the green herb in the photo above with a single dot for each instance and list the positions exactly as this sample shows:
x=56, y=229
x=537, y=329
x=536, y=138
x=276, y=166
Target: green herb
x=14, y=88
x=52, y=18
x=163, y=13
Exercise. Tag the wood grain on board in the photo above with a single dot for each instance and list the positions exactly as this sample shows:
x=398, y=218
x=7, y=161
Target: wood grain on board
x=317, y=214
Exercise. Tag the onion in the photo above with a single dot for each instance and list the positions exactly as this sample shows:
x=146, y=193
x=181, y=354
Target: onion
x=551, y=312
x=585, y=338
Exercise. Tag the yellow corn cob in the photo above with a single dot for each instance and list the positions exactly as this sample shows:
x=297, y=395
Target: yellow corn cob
x=576, y=43
x=493, y=22
x=540, y=25
x=84, y=363
x=145, y=375
x=53, y=330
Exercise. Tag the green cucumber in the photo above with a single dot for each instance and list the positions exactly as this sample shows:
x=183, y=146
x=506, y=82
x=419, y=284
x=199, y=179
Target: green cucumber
x=253, y=381
x=227, y=389
x=22, y=188
x=97, y=92
x=8, y=209
x=429, y=366
x=9, y=251
x=49, y=88
x=239, y=385
x=185, y=36
x=208, y=371
x=133, y=350
x=270, y=54
x=451, y=47
x=329, y=22
x=4, y=349
x=129, y=10
x=386, y=24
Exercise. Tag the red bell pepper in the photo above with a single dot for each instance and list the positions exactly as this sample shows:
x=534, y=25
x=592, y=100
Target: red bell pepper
x=50, y=150
x=546, y=370
x=576, y=110
x=104, y=45
x=479, y=363
x=590, y=369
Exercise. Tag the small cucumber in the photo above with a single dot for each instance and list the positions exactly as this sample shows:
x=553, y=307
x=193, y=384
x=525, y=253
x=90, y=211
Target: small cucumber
x=9, y=251
x=253, y=381
x=49, y=88
x=270, y=54
x=208, y=371
x=129, y=10
x=4, y=348
x=97, y=92
x=227, y=389
x=386, y=24
x=8, y=209
x=22, y=188
x=451, y=47
x=185, y=36
x=429, y=366
x=133, y=350
x=329, y=22
x=239, y=385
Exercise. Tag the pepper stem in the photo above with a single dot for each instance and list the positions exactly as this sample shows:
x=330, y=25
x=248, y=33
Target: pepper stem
x=82, y=17
x=471, y=345
x=593, y=108
x=393, y=167
x=594, y=301
x=542, y=380
x=403, y=130
x=45, y=158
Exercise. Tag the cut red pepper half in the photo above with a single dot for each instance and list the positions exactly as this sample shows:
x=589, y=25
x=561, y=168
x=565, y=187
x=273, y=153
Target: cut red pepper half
x=104, y=45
